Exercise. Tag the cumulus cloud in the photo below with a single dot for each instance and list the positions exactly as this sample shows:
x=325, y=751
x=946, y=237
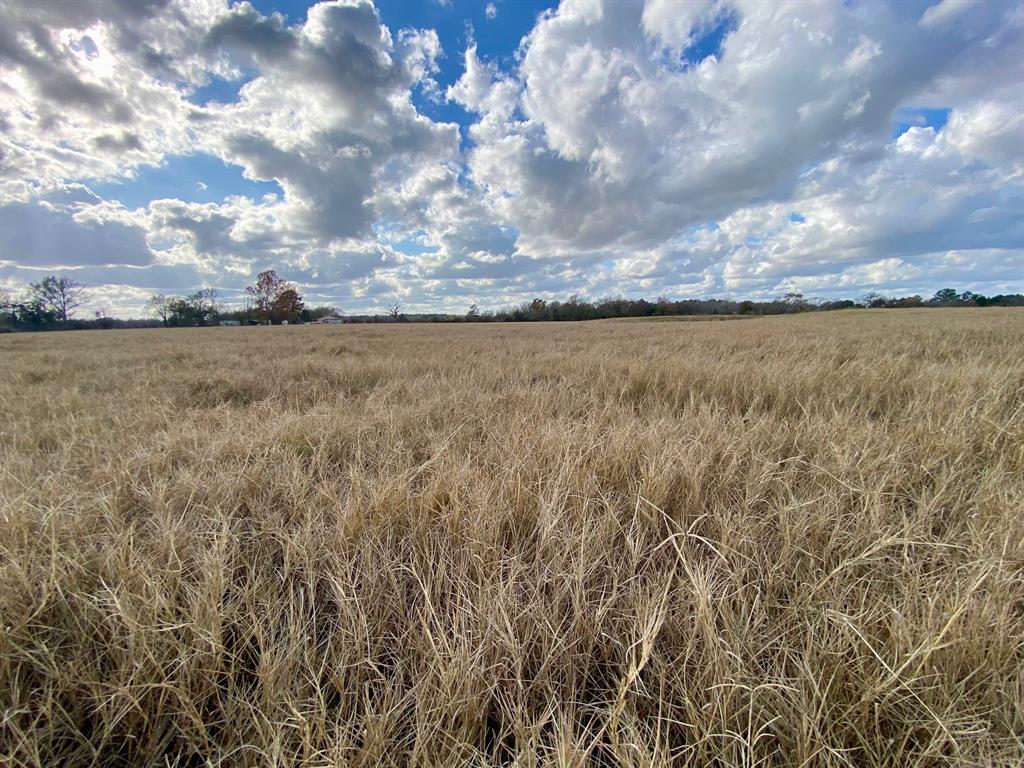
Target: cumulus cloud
x=702, y=148
x=945, y=10
x=329, y=116
x=613, y=137
x=93, y=89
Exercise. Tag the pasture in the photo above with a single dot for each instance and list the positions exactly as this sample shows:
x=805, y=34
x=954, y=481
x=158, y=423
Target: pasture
x=786, y=541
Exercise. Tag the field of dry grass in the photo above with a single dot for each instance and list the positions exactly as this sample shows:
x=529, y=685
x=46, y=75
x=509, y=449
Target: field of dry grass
x=789, y=541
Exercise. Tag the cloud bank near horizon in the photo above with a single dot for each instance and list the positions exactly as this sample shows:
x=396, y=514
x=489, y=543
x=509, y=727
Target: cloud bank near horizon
x=715, y=148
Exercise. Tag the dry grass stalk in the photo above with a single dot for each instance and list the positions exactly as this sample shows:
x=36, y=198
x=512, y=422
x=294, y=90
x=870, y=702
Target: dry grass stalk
x=788, y=541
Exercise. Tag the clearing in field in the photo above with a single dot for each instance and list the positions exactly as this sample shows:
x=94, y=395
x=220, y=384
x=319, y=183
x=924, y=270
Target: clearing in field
x=791, y=541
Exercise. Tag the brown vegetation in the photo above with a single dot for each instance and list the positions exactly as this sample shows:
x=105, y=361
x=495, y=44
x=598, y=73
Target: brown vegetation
x=784, y=541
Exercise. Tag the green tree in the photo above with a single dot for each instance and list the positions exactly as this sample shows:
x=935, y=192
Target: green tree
x=200, y=308
x=946, y=296
x=179, y=312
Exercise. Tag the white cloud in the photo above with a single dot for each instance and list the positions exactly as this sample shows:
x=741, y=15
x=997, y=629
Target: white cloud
x=90, y=88
x=329, y=116
x=491, y=11
x=677, y=24
x=945, y=10
x=624, y=146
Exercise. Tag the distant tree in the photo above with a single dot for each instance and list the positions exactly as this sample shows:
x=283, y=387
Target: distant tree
x=200, y=308
x=837, y=304
x=575, y=308
x=945, y=297
x=205, y=305
x=160, y=306
x=287, y=306
x=315, y=313
x=795, y=299
x=872, y=299
x=617, y=306
x=473, y=313
x=274, y=298
x=538, y=309
x=1001, y=300
x=103, y=319
x=8, y=311
x=265, y=291
x=907, y=301
x=32, y=314
x=60, y=296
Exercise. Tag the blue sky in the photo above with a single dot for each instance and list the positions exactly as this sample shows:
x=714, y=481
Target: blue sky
x=701, y=148
x=194, y=178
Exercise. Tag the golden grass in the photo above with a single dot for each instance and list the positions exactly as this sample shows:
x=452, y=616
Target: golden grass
x=788, y=541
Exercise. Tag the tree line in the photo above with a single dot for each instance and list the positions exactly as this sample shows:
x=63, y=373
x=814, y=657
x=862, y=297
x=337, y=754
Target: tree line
x=577, y=309
x=270, y=300
x=51, y=304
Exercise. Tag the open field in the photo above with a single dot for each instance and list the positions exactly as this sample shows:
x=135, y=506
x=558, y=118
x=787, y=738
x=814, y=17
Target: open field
x=789, y=541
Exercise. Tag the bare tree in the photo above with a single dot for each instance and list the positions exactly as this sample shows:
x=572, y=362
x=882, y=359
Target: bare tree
x=161, y=305
x=205, y=305
x=395, y=310
x=59, y=295
x=538, y=309
x=873, y=299
x=795, y=299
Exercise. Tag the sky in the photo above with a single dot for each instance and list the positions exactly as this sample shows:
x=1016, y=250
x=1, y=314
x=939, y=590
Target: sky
x=440, y=154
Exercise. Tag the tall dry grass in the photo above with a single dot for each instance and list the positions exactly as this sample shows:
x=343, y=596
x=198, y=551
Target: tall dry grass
x=787, y=541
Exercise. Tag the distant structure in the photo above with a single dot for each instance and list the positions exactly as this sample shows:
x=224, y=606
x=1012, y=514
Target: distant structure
x=330, y=321
x=230, y=322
